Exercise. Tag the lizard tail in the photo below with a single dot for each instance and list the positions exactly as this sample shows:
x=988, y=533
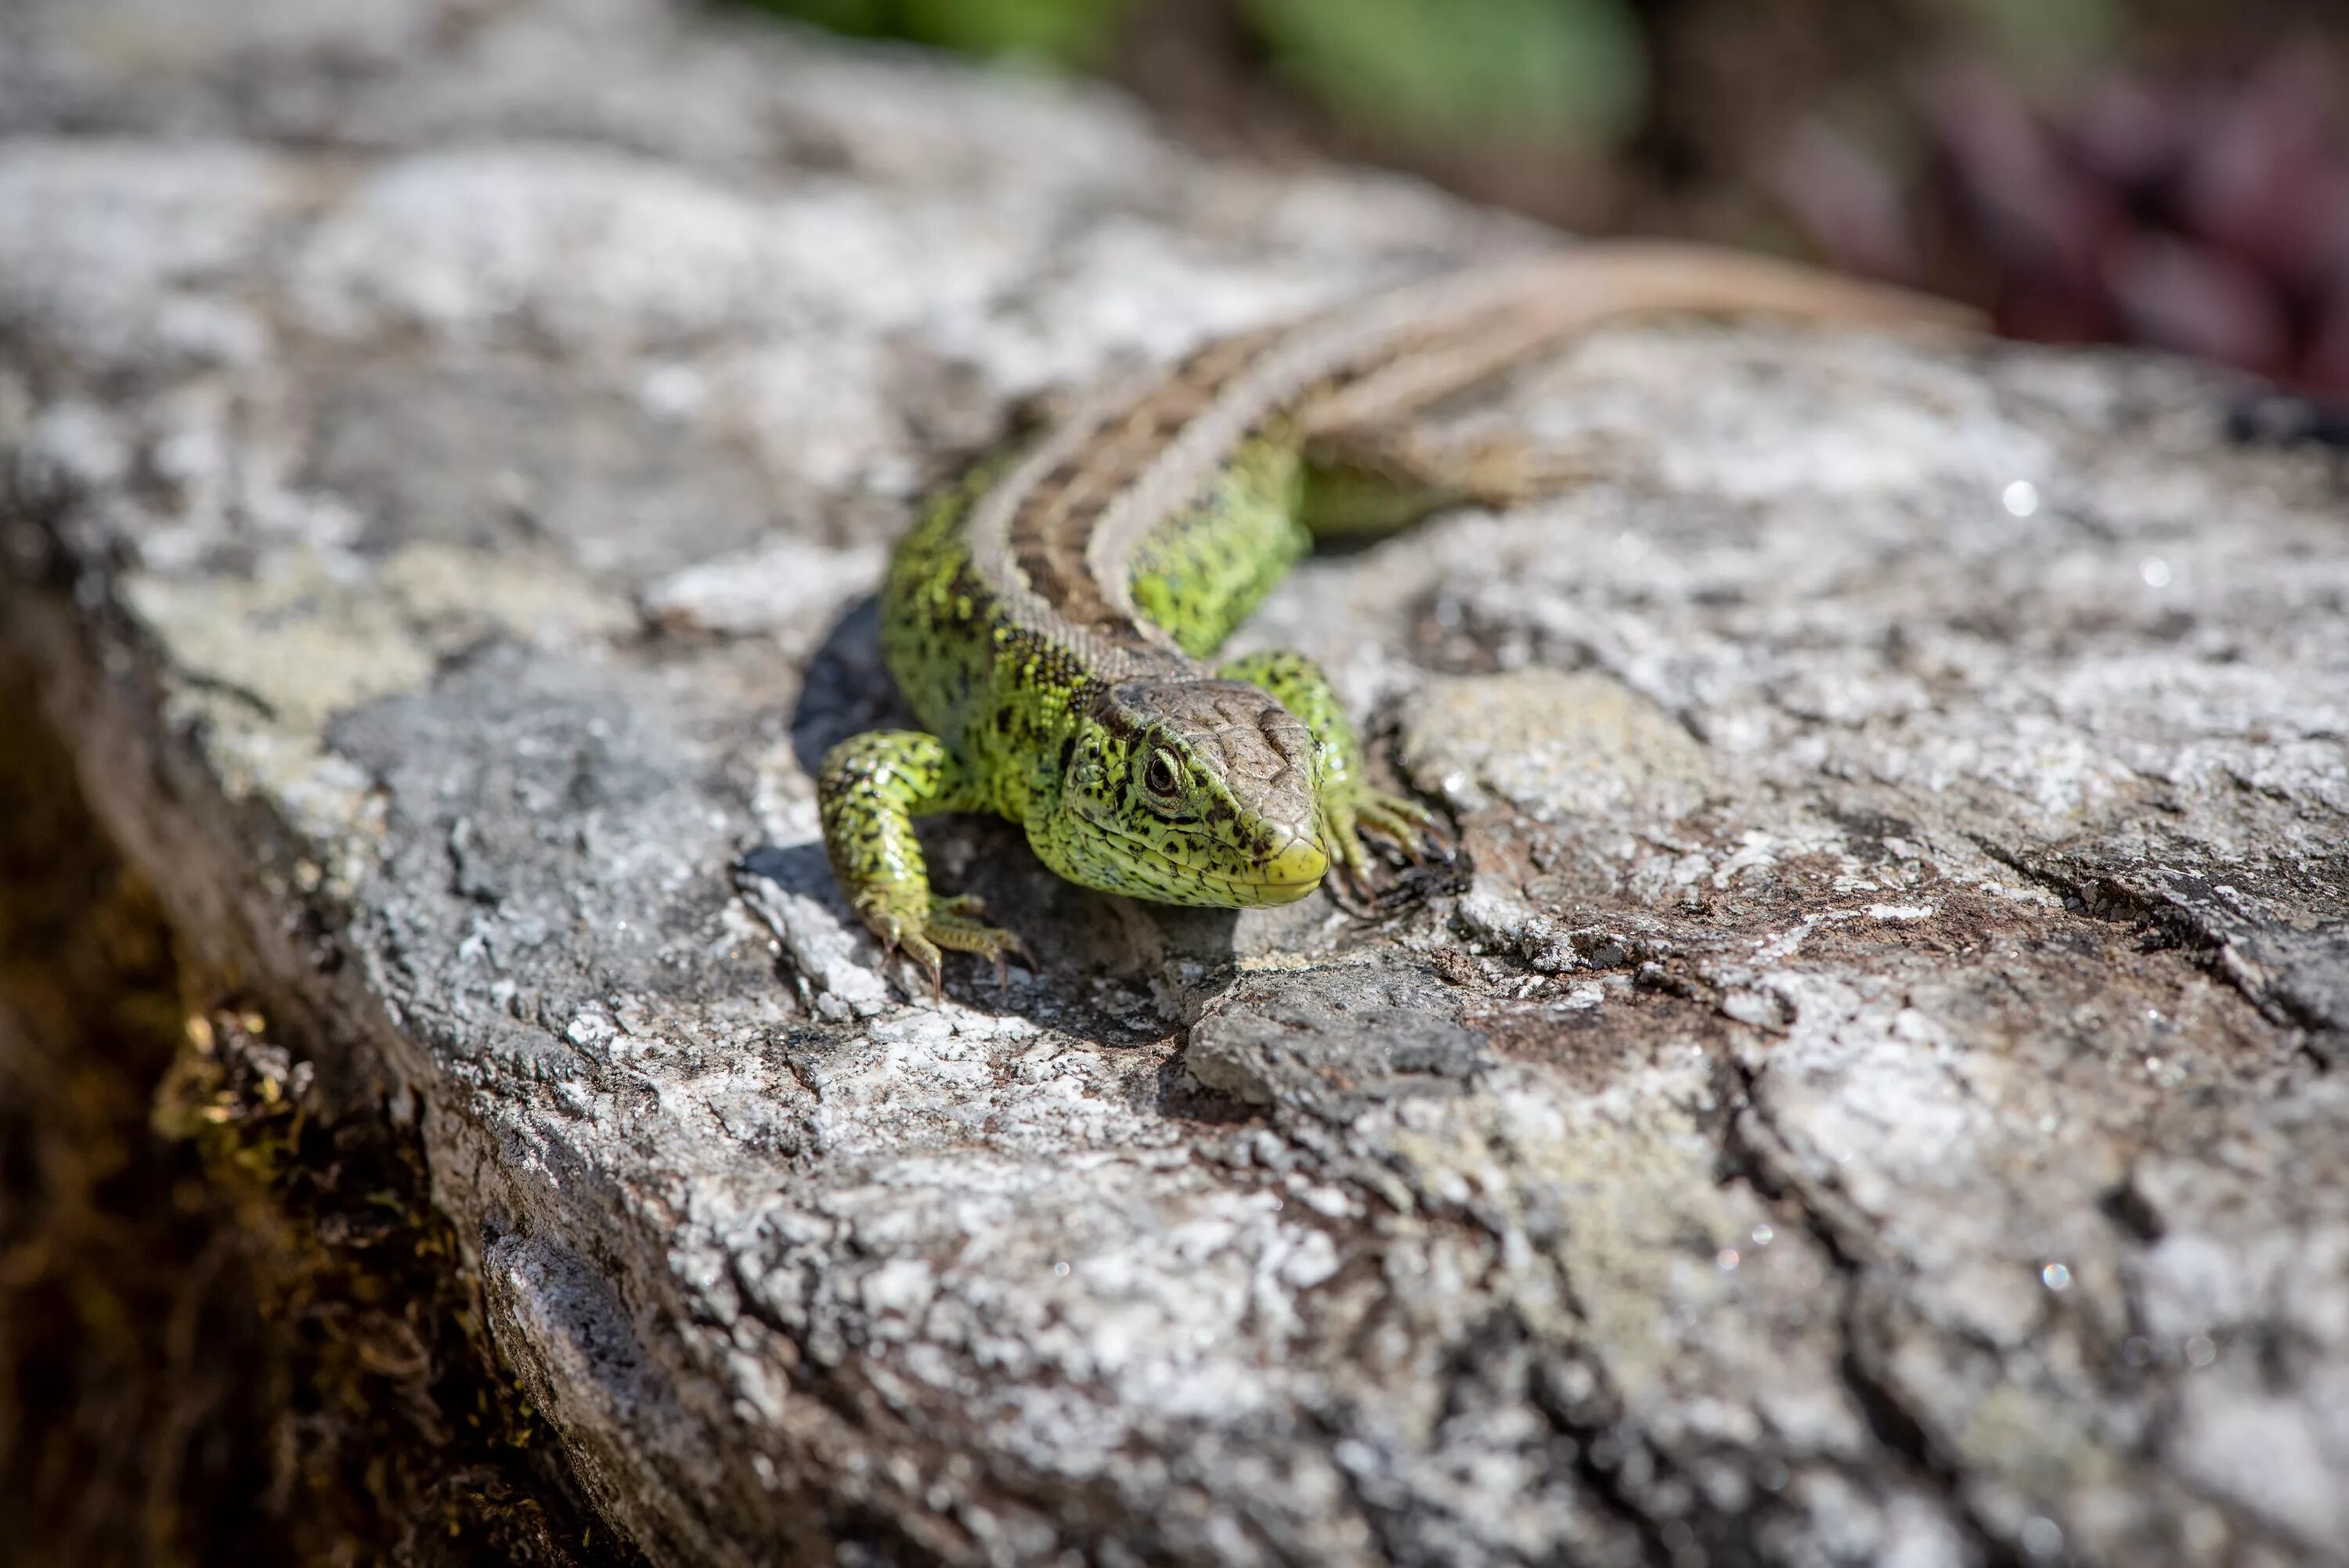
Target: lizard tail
x=1603, y=279
x=1491, y=319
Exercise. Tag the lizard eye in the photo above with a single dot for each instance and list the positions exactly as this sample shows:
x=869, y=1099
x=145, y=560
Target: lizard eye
x=1163, y=773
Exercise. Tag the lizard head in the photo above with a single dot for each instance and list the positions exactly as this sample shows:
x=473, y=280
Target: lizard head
x=1186, y=791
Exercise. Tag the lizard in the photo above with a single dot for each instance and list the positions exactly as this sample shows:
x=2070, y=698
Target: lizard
x=1052, y=617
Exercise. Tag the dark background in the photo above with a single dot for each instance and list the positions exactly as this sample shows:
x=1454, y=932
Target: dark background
x=2171, y=173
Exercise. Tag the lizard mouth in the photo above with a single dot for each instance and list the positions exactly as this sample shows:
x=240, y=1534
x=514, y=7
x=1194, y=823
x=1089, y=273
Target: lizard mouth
x=1284, y=877
x=1290, y=874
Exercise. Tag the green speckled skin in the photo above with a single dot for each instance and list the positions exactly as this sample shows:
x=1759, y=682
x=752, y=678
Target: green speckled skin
x=1050, y=616
x=1008, y=731
x=1201, y=576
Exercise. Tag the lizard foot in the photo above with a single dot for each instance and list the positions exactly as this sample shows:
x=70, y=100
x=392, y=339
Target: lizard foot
x=1506, y=472
x=952, y=924
x=1404, y=826
x=959, y=924
x=900, y=932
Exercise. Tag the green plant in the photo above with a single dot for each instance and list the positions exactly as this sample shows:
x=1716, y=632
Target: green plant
x=1065, y=32
x=1427, y=70
x=1463, y=70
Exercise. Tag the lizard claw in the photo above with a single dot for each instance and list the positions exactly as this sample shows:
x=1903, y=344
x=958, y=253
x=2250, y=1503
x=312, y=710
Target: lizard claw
x=1401, y=826
x=952, y=924
x=902, y=936
x=1351, y=891
x=958, y=923
x=1407, y=825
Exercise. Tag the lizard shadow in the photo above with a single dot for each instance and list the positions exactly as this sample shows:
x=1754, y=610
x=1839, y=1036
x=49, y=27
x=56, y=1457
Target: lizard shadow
x=845, y=689
x=1098, y=957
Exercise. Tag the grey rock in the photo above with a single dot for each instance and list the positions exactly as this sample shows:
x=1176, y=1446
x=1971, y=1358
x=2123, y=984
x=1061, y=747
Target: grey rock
x=1550, y=744
x=1862, y=1096
x=1333, y=1042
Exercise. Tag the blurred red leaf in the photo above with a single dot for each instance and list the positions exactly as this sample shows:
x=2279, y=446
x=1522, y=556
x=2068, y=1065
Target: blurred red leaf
x=2325, y=370
x=2034, y=213
x=2267, y=180
x=2208, y=216
x=1852, y=209
x=2174, y=293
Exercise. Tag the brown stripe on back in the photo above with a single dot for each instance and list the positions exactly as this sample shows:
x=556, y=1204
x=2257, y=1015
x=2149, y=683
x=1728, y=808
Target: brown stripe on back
x=1050, y=531
x=1404, y=348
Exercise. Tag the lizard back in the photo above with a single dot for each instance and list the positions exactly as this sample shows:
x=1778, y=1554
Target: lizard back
x=1015, y=596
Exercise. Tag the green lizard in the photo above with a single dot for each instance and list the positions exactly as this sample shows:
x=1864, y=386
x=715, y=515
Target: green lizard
x=1051, y=618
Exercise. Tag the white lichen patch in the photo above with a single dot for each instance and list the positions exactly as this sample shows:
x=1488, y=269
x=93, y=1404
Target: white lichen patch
x=136, y=254
x=310, y=636
x=788, y=589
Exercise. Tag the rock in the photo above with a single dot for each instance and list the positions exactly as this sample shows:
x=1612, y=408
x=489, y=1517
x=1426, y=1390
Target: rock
x=1332, y=1042
x=1863, y=1096
x=1549, y=744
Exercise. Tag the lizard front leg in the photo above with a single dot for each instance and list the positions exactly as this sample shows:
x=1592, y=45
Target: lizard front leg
x=870, y=788
x=1350, y=806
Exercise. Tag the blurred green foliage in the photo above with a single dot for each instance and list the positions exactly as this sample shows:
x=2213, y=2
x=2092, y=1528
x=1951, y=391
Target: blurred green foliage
x=1432, y=70
x=1454, y=69
x=2043, y=36
x=1065, y=32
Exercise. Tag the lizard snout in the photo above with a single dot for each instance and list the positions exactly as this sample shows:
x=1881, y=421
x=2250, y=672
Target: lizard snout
x=1294, y=867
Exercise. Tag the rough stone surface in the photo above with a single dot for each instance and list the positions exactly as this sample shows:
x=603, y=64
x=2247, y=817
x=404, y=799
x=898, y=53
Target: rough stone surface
x=1869, y=1097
